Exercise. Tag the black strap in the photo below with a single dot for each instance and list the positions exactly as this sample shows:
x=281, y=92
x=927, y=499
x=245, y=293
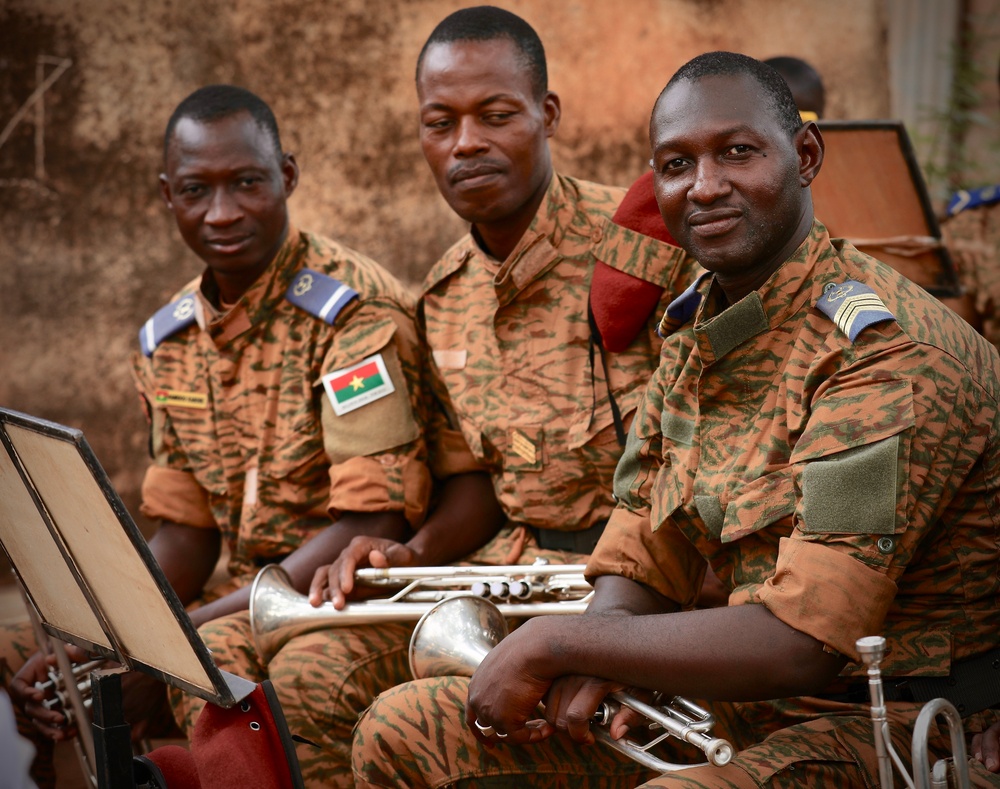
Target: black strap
x=582, y=541
x=616, y=414
x=972, y=686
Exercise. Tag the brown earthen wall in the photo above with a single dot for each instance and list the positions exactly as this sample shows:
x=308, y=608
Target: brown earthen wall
x=87, y=251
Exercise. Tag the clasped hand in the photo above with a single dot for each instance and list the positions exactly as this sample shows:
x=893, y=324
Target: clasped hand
x=508, y=687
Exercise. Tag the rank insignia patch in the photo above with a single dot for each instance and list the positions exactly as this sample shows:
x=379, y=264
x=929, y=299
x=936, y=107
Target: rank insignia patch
x=352, y=387
x=319, y=294
x=853, y=306
x=166, y=322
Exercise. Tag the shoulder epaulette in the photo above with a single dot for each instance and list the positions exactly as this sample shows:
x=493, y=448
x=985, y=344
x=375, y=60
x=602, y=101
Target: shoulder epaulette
x=681, y=309
x=973, y=198
x=319, y=294
x=853, y=306
x=166, y=322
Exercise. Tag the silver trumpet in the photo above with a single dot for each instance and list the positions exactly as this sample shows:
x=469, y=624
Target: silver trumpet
x=872, y=650
x=454, y=636
x=279, y=613
x=72, y=697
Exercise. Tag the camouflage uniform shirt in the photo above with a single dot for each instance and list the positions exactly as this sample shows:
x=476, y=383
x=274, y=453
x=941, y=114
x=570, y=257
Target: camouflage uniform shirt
x=244, y=437
x=973, y=237
x=850, y=487
x=511, y=358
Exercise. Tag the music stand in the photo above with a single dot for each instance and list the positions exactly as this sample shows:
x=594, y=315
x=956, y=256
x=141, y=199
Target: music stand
x=86, y=568
x=871, y=192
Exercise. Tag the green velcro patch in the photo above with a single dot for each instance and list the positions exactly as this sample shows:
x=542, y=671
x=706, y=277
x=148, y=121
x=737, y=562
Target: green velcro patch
x=852, y=492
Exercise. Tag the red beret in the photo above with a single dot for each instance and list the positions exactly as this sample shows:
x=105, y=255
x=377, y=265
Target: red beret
x=246, y=745
x=620, y=303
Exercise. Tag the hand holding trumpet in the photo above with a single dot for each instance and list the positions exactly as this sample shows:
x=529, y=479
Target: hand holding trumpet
x=30, y=689
x=336, y=582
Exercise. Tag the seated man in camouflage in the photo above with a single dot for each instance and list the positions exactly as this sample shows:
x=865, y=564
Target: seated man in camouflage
x=533, y=412
x=282, y=387
x=820, y=429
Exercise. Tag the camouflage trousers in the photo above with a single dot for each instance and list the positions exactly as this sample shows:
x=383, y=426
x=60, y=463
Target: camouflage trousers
x=415, y=736
x=327, y=679
x=17, y=644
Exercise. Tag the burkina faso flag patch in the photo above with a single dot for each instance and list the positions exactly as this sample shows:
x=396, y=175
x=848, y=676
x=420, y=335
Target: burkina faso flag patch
x=352, y=387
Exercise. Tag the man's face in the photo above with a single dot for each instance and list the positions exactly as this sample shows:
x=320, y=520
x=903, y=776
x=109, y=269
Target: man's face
x=483, y=132
x=729, y=181
x=227, y=187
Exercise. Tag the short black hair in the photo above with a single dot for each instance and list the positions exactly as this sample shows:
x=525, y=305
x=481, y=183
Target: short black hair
x=712, y=64
x=214, y=102
x=488, y=23
x=804, y=81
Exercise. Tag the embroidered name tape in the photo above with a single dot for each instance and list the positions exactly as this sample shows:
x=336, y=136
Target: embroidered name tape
x=853, y=306
x=181, y=399
x=352, y=387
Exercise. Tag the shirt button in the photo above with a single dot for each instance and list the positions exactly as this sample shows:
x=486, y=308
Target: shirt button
x=596, y=235
x=886, y=545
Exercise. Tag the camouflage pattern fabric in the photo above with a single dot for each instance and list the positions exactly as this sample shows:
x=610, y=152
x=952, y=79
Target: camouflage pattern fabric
x=814, y=472
x=510, y=359
x=811, y=471
x=509, y=342
x=243, y=436
x=267, y=461
x=973, y=238
x=415, y=736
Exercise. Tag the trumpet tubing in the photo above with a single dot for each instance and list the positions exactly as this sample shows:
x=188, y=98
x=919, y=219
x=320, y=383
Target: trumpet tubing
x=279, y=613
x=455, y=635
x=872, y=650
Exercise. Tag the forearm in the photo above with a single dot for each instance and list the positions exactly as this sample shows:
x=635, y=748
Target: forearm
x=321, y=550
x=735, y=653
x=466, y=517
x=187, y=555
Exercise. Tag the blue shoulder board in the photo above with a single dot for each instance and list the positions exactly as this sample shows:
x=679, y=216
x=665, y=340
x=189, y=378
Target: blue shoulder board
x=853, y=306
x=973, y=198
x=681, y=309
x=167, y=321
x=319, y=294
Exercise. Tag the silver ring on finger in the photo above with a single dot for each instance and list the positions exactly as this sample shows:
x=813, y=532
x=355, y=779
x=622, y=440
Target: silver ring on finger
x=500, y=735
x=487, y=731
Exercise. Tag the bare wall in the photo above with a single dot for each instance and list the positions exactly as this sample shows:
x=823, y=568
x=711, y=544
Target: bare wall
x=87, y=252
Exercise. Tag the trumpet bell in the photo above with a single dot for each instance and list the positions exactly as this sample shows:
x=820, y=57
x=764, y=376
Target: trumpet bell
x=454, y=636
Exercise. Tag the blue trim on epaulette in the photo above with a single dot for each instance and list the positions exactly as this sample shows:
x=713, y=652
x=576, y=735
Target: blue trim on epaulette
x=853, y=306
x=166, y=322
x=683, y=308
x=973, y=198
x=319, y=294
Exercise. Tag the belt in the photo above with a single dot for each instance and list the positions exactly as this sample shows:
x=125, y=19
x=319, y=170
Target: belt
x=972, y=686
x=573, y=541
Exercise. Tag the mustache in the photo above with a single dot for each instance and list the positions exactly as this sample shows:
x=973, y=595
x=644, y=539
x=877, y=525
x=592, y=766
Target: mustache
x=463, y=170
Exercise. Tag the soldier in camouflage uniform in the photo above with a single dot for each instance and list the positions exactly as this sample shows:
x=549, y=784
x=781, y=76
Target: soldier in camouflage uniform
x=282, y=387
x=526, y=442
x=824, y=433
x=972, y=234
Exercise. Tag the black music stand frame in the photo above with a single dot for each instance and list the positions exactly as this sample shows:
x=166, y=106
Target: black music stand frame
x=92, y=580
